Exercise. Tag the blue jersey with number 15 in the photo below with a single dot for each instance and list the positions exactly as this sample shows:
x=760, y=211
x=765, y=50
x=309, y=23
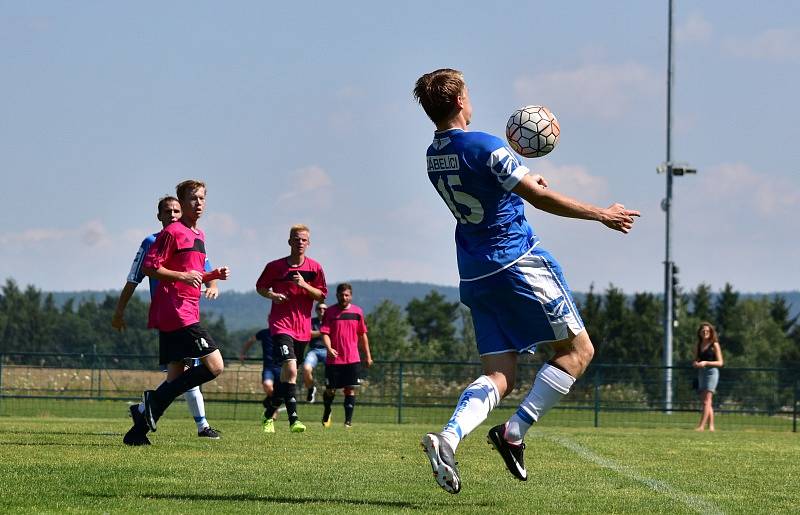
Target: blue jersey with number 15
x=474, y=173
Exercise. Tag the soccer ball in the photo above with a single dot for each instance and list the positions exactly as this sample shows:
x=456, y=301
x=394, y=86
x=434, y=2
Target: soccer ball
x=532, y=131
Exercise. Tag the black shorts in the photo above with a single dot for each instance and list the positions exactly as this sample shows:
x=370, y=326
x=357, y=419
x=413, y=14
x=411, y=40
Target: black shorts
x=284, y=348
x=342, y=376
x=192, y=341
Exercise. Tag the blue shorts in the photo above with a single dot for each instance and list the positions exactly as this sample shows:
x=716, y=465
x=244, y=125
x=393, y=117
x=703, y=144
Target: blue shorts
x=315, y=356
x=522, y=306
x=271, y=373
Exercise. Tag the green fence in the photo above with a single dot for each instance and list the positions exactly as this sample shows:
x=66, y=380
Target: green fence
x=96, y=385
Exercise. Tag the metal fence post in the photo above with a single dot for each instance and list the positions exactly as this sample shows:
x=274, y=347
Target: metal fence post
x=92, y=370
x=794, y=408
x=400, y=393
x=236, y=394
x=99, y=381
x=597, y=397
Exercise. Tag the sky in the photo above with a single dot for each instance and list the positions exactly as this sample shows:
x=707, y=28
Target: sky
x=303, y=113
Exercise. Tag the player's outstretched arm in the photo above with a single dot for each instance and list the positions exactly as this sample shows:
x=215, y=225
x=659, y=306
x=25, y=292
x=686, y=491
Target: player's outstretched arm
x=246, y=347
x=533, y=188
x=118, y=320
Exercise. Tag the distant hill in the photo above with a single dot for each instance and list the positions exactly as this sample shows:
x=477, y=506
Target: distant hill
x=249, y=310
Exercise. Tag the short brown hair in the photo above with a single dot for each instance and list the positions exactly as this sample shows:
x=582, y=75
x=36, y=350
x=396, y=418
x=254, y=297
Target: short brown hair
x=187, y=187
x=166, y=198
x=437, y=91
x=344, y=287
x=298, y=228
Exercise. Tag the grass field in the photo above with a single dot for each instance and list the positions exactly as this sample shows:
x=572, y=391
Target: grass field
x=80, y=465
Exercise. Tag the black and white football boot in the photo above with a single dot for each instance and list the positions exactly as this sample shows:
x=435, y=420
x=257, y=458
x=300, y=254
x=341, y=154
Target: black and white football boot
x=148, y=410
x=442, y=461
x=512, y=454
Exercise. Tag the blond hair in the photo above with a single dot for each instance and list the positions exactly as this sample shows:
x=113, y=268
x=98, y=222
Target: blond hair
x=296, y=228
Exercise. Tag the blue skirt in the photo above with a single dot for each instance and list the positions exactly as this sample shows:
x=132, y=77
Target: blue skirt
x=707, y=379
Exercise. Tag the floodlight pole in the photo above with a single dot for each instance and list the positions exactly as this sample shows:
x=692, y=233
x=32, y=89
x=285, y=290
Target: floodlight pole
x=667, y=205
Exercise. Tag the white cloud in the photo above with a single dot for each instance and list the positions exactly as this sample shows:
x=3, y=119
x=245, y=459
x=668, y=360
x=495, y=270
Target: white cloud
x=573, y=180
x=770, y=45
x=32, y=236
x=306, y=180
x=94, y=233
x=359, y=247
x=695, y=28
x=601, y=91
x=737, y=186
x=221, y=223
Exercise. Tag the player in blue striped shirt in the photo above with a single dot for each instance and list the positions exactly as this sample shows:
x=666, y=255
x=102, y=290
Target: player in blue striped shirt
x=514, y=288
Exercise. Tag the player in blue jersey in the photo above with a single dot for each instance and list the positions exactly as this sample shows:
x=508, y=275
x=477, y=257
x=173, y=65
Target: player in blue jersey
x=169, y=210
x=514, y=288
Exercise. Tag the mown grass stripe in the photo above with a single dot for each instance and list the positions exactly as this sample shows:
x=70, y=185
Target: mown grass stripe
x=694, y=502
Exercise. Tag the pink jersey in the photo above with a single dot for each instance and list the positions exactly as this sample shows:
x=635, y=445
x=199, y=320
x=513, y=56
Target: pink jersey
x=344, y=326
x=176, y=304
x=293, y=316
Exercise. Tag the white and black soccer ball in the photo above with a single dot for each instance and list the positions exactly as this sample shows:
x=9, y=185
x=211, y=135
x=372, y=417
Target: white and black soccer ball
x=532, y=131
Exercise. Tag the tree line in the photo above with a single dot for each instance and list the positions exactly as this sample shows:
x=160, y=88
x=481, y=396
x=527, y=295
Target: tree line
x=753, y=331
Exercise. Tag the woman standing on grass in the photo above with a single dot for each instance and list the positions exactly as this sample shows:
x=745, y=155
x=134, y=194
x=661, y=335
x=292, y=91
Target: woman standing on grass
x=707, y=361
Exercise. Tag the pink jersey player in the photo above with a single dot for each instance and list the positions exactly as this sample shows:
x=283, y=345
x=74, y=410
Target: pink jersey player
x=292, y=283
x=344, y=326
x=176, y=304
x=292, y=317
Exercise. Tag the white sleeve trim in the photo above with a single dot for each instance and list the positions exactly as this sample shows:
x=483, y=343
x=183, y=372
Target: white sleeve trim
x=516, y=176
x=506, y=168
x=135, y=275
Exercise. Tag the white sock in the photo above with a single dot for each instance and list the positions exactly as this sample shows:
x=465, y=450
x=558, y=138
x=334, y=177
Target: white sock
x=477, y=400
x=194, y=399
x=550, y=385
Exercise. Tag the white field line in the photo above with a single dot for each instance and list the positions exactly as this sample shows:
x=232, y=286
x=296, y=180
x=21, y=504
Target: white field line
x=694, y=502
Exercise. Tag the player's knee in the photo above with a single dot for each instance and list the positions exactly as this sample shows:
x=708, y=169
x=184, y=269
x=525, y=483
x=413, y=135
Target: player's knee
x=215, y=367
x=267, y=388
x=583, y=351
x=349, y=391
x=588, y=352
x=504, y=382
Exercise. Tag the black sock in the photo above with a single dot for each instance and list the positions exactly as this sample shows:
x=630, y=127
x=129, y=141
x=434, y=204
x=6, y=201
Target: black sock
x=349, y=406
x=327, y=399
x=168, y=391
x=291, y=401
x=269, y=407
